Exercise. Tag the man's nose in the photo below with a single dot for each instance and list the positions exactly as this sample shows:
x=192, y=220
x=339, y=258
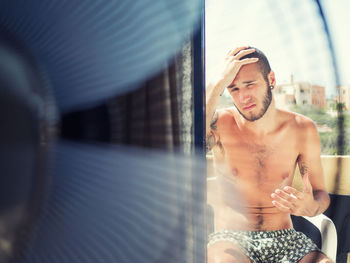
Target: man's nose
x=244, y=96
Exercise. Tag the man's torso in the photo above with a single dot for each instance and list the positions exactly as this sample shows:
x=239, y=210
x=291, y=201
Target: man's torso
x=253, y=167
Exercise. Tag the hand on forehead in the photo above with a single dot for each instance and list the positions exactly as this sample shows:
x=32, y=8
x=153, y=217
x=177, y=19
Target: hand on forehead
x=245, y=49
x=237, y=55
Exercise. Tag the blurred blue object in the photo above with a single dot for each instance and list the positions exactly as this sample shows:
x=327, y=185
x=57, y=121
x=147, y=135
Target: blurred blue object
x=116, y=204
x=93, y=50
x=96, y=203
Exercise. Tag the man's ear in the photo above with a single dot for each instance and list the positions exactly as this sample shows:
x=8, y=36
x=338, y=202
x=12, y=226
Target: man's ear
x=271, y=78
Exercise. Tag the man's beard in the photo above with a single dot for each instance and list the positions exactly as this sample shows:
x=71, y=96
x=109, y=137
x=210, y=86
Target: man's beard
x=266, y=103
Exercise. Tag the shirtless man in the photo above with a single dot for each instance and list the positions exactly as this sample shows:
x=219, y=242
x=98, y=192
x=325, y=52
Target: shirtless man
x=261, y=146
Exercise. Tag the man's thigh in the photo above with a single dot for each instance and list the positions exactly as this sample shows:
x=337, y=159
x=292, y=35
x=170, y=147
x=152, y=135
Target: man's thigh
x=226, y=252
x=315, y=257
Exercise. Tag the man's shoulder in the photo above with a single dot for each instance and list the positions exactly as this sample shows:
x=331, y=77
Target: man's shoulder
x=225, y=113
x=227, y=110
x=297, y=120
x=305, y=132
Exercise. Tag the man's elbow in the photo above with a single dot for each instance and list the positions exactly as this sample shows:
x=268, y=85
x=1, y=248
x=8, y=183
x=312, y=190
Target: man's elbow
x=323, y=199
x=328, y=200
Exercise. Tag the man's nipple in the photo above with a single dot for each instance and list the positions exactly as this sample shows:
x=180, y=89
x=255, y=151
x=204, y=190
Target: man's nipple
x=234, y=171
x=285, y=176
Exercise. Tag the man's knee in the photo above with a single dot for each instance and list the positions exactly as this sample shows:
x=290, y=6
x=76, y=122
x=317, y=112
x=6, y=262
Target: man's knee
x=325, y=260
x=316, y=257
x=224, y=258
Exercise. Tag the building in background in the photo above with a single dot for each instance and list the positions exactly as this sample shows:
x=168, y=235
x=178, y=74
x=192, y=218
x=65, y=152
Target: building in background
x=299, y=93
x=318, y=96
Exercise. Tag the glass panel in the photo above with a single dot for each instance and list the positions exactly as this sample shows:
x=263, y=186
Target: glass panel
x=294, y=38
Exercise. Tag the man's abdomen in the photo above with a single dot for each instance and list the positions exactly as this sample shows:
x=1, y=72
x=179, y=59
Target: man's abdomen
x=248, y=206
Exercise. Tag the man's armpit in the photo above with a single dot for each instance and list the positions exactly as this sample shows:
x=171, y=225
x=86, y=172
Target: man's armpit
x=303, y=169
x=211, y=141
x=214, y=121
x=212, y=136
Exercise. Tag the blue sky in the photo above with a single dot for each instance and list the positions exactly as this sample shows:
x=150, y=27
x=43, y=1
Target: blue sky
x=290, y=33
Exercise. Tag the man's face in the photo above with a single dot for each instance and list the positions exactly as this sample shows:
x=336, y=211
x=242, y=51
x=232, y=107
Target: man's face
x=250, y=92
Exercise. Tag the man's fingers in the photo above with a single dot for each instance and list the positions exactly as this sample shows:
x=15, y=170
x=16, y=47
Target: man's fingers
x=289, y=197
x=293, y=191
x=282, y=200
x=248, y=61
x=235, y=51
x=240, y=52
x=281, y=207
x=244, y=52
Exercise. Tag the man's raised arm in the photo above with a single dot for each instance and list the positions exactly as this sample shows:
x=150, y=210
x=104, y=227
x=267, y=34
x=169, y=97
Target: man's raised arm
x=224, y=78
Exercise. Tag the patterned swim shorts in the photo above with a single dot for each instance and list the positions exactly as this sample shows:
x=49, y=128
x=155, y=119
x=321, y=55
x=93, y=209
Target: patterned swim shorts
x=285, y=246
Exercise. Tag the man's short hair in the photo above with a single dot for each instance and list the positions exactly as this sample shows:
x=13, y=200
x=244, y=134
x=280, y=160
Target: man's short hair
x=263, y=62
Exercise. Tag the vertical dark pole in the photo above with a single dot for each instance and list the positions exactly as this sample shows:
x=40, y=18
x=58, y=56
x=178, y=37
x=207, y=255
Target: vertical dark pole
x=199, y=86
x=335, y=209
x=330, y=42
x=199, y=188
x=340, y=140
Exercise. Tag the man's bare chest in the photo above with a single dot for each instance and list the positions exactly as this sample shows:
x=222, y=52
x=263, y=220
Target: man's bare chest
x=268, y=159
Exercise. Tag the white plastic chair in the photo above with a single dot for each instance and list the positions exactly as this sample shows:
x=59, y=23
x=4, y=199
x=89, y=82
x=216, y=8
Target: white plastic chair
x=328, y=234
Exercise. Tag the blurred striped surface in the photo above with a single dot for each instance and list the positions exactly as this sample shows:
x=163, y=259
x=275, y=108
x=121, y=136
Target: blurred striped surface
x=93, y=50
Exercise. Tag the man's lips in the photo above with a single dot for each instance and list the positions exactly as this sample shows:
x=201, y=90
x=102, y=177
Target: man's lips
x=249, y=107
